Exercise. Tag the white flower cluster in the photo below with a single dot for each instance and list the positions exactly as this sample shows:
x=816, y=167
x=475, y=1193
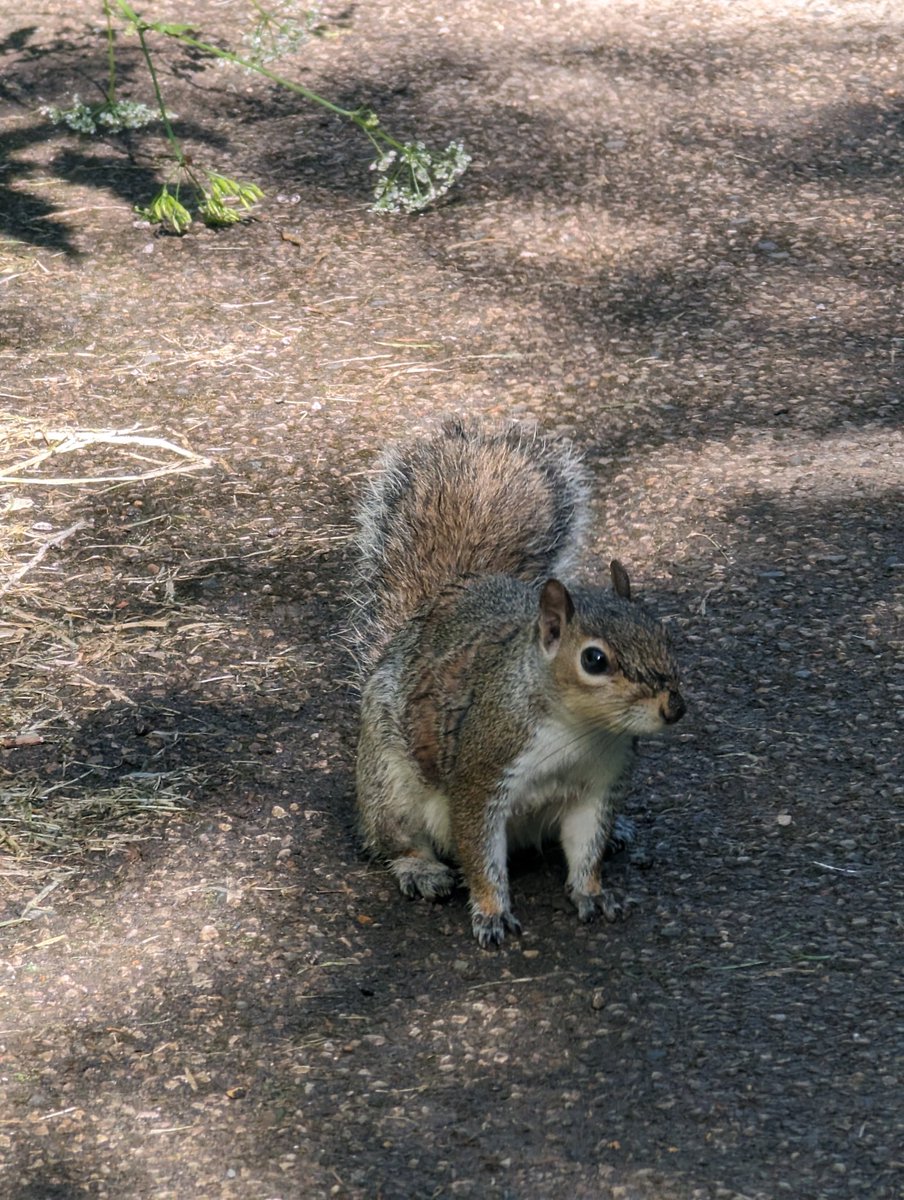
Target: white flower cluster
x=413, y=177
x=281, y=32
x=101, y=118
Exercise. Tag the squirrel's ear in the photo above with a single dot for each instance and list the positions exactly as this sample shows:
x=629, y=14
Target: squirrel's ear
x=556, y=610
x=620, y=580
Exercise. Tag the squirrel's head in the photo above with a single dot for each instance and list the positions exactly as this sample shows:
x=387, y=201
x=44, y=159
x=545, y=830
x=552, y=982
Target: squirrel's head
x=611, y=660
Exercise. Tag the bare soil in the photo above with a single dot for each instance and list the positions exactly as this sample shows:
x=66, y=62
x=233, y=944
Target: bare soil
x=680, y=243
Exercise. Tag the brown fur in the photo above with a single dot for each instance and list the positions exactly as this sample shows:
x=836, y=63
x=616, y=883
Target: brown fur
x=432, y=516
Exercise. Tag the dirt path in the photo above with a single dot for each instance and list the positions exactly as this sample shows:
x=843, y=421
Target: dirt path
x=680, y=243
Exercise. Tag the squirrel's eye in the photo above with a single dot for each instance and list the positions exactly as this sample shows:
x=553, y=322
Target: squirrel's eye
x=594, y=661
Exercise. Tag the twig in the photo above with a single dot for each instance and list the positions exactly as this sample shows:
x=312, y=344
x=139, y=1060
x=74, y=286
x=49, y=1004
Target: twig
x=477, y=987
x=829, y=867
x=713, y=542
x=76, y=480
x=56, y=540
x=706, y=596
x=81, y=439
x=71, y=212
x=36, y=900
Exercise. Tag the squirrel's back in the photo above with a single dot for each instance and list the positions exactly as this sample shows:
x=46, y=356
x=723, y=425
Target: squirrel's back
x=463, y=502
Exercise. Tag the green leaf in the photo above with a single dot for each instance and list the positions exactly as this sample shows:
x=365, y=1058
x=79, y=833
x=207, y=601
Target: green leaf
x=223, y=188
x=171, y=29
x=128, y=12
x=166, y=210
x=215, y=213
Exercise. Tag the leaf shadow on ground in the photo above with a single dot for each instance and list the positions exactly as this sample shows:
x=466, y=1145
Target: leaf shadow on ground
x=824, y=371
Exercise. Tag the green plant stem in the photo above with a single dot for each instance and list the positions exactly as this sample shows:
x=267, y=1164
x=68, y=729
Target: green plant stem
x=363, y=120
x=174, y=142
x=111, y=55
x=298, y=88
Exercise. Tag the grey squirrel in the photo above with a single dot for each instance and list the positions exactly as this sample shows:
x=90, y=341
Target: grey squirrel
x=499, y=707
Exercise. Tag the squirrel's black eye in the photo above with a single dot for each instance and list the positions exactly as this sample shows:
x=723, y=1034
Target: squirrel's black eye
x=594, y=661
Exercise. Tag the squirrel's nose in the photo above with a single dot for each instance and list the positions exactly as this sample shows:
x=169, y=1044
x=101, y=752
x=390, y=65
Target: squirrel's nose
x=673, y=709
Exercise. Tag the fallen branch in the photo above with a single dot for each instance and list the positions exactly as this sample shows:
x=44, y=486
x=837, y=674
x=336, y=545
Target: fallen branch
x=56, y=540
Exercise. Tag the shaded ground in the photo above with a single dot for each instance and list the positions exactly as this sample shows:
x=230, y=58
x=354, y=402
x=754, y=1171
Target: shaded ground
x=681, y=243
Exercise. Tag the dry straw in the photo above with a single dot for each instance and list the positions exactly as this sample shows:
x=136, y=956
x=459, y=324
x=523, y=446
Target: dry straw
x=47, y=828
x=69, y=441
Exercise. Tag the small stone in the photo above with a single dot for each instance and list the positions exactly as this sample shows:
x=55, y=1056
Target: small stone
x=784, y=818
x=598, y=1000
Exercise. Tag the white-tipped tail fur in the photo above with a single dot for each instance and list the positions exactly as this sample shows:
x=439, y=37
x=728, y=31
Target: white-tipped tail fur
x=463, y=502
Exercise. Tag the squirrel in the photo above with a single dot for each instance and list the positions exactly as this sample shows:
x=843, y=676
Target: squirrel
x=499, y=707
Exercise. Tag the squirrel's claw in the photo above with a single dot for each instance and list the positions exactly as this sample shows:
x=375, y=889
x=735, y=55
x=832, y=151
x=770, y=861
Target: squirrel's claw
x=606, y=903
x=490, y=929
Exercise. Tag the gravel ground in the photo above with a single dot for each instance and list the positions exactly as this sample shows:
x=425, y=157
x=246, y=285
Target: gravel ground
x=679, y=243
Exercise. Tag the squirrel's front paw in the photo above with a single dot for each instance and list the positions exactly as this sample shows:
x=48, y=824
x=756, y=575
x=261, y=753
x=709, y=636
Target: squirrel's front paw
x=605, y=902
x=490, y=929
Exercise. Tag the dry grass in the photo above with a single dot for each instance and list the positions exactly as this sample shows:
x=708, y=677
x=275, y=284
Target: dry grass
x=45, y=830
x=60, y=662
x=96, y=614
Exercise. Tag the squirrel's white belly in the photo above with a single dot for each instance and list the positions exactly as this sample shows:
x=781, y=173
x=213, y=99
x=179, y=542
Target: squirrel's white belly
x=562, y=766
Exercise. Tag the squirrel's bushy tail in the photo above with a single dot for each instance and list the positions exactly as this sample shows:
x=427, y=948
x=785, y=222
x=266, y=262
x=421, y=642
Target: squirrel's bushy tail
x=465, y=501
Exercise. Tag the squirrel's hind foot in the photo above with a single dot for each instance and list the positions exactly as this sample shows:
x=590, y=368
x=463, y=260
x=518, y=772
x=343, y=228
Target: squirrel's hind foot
x=418, y=875
x=605, y=903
